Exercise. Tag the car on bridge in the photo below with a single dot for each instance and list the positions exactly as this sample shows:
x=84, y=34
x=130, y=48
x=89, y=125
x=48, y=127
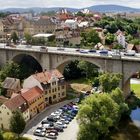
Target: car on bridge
x=83, y=51
x=43, y=49
x=130, y=53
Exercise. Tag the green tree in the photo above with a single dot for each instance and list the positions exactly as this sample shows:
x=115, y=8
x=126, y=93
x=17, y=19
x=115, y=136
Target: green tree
x=135, y=41
x=117, y=96
x=1, y=136
x=28, y=38
x=17, y=123
x=109, y=39
x=14, y=37
x=72, y=71
x=109, y=81
x=89, y=69
x=90, y=38
x=97, y=114
x=118, y=47
x=10, y=70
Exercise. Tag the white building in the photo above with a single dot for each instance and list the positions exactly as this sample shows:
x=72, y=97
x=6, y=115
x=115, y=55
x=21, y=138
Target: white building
x=121, y=38
x=72, y=24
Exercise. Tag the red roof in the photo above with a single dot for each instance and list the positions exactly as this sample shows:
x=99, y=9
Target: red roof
x=32, y=94
x=15, y=102
x=45, y=77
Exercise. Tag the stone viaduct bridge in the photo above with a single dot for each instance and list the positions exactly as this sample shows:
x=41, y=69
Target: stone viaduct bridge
x=126, y=66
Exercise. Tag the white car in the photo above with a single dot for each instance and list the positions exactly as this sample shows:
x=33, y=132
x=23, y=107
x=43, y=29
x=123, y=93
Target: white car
x=38, y=130
x=130, y=53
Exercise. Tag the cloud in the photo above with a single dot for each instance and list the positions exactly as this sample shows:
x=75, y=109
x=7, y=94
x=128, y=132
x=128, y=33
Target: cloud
x=65, y=3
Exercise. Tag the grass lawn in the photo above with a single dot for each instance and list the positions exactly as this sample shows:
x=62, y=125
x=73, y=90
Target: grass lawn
x=82, y=81
x=136, y=89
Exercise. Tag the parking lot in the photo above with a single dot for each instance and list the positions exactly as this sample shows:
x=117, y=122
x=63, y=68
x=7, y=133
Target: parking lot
x=50, y=122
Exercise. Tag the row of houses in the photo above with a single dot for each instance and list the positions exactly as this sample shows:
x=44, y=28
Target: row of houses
x=27, y=23
x=39, y=91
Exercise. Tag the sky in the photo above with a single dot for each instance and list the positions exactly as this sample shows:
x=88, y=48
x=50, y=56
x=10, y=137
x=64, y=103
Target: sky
x=65, y=3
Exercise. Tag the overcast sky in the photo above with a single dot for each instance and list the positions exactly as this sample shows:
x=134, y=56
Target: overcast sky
x=65, y=3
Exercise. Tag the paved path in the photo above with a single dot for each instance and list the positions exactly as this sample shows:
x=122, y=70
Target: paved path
x=70, y=133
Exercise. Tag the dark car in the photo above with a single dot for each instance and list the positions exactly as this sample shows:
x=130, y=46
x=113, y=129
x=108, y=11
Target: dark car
x=51, y=119
x=92, y=51
x=104, y=52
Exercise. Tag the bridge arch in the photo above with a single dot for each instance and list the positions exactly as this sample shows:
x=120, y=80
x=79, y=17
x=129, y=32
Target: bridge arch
x=130, y=68
x=61, y=65
x=29, y=60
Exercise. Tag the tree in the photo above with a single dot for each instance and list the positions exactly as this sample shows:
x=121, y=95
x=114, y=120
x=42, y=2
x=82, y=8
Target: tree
x=97, y=114
x=89, y=69
x=118, y=46
x=117, y=96
x=109, y=39
x=109, y=81
x=90, y=38
x=72, y=71
x=28, y=38
x=1, y=136
x=14, y=37
x=17, y=123
x=10, y=70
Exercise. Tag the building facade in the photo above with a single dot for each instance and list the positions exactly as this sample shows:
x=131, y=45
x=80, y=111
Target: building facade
x=7, y=109
x=35, y=100
x=51, y=82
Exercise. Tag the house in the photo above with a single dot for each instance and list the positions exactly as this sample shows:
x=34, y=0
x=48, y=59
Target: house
x=3, y=99
x=121, y=38
x=71, y=23
x=11, y=85
x=51, y=82
x=133, y=47
x=7, y=109
x=35, y=100
x=99, y=46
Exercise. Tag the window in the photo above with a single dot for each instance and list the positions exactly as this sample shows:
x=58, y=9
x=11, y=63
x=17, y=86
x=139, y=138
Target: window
x=63, y=87
x=58, y=88
x=0, y=111
x=54, y=96
x=7, y=113
x=52, y=90
x=63, y=93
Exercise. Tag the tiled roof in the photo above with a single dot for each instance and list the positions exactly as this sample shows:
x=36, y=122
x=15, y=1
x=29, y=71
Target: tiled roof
x=10, y=83
x=15, y=103
x=32, y=94
x=45, y=77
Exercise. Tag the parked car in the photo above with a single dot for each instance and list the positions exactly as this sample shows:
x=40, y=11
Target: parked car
x=58, y=128
x=53, y=131
x=50, y=136
x=40, y=134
